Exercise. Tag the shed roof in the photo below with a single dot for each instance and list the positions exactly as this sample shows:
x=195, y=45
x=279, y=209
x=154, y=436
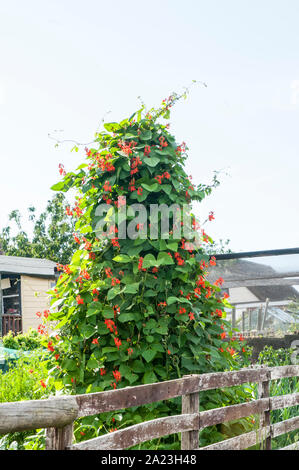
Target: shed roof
x=29, y=266
x=242, y=270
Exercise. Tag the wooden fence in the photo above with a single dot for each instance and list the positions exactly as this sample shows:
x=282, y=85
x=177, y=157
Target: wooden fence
x=11, y=323
x=57, y=414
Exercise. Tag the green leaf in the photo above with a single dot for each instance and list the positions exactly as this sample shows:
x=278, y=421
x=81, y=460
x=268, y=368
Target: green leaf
x=93, y=309
x=108, y=312
x=149, y=377
x=150, y=187
x=173, y=246
x=113, y=292
x=138, y=366
x=111, y=126
x=151, y=161
x=58, y=186
x=124, y=317
x=87, y=331
x=167, y=188
x=92, y=362
x=149, y=354
x=132, y=288
x=172, y=300
x=145, y=135
x=164, y=259
x=122, y=259
x=149, y=261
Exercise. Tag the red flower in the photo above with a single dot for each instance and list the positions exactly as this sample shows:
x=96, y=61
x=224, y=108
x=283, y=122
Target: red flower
x=46, y=313
x=95, y=341
x=115, y=242
x=211, y=216
x=50, y=346
x=147, y=150
x=140, y=261
x=191, y=316
x=79, y=300
x=139, y=191
x=231, y=351
x=213, y=261
x=115, y=281
x=163, y=142
x=117, y=342
x=43, y=384
x=219, y=282
x=219, y=312
x=116, y=375
x=76, y=239
x=108, y=272
x=107, y=186
x=85, y=274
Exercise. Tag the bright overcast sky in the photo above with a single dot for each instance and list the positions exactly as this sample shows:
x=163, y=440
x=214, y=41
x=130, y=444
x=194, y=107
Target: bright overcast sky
x=65, y=63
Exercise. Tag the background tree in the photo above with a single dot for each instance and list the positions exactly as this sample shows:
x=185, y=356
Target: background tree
x=51, y=233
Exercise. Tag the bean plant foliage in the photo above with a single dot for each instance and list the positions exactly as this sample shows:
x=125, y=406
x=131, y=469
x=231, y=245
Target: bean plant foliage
x=137, y=311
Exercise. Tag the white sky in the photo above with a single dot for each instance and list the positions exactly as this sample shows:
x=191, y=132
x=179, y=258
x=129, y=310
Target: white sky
x=65, y=63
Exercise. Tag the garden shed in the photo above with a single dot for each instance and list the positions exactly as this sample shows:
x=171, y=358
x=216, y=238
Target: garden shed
x=24, y=283
x=264, y=293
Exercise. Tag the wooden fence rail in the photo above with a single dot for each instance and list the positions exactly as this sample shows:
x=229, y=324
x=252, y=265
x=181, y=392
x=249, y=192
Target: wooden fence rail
x=58, y=414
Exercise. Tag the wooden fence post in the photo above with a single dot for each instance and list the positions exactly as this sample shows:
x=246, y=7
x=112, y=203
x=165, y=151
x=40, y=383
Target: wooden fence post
x=233, y=317
x=190, y=404
x=243, y=322
x=250, y=319
x=59, y=438
x=264, y=392
x=265, y=314
x=259, y=318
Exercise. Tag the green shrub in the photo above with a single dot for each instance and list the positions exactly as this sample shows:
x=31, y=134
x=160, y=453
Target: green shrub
x=26, y=379
x=25, y=341
x=281, y=357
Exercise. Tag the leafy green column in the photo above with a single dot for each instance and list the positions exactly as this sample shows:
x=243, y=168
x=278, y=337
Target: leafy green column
x=136, y=311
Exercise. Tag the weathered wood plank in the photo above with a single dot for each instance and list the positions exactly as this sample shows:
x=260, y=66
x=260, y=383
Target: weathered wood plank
x=230, y=413
x=59, y=438
x=35, y=414
x=190, y=405
x=285, y=426
x=141, y=433
x=230, y=379
x=244, y=441
x=284, y=371
x=111, y=400
x=284, y=401
x=264, y=392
